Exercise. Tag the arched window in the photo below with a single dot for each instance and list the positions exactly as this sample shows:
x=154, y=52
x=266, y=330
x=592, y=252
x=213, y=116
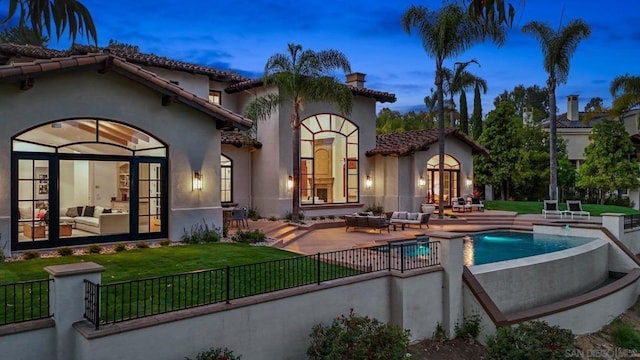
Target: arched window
x=328, y=160
x=451, y=179
x=226, y=196
x=87, y=180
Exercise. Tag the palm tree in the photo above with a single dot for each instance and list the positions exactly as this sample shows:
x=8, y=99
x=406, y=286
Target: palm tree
x=65, y=14
x=23, y=35
x=445, y=34
x=459, y=81
x=302, y=76
x=625, y=90
x=557, y=48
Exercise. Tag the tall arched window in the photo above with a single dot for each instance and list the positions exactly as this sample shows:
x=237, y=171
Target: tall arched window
x=451, y=179
x=226, y=196
x=87, y=180
x=329, y=160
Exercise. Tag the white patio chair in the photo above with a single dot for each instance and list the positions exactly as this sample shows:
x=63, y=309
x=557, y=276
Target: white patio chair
x=551, y=208
x=574, y=207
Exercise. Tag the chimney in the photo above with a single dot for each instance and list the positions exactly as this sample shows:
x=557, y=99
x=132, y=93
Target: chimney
x=573, y=114
x=356, y=80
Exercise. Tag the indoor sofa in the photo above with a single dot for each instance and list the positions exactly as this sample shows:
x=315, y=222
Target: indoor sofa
x=95, y=220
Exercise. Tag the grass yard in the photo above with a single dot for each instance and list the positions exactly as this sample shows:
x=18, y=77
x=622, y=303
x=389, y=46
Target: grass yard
x=140, y=263
x=535, y=207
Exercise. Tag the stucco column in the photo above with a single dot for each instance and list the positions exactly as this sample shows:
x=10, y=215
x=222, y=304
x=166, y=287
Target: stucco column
x=67, y=301
x=614, y=222
x=451, y=259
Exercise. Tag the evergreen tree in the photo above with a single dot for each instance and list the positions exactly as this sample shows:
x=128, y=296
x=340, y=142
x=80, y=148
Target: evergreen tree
x=610, y=161
x=476, y=117
x=464, y=113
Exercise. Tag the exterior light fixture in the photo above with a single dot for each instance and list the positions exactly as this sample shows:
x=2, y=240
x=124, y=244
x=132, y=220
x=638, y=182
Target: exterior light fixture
x=197, y=181
x=290, y=182
x=368, y=182
x=469, y=182
x=422, y=182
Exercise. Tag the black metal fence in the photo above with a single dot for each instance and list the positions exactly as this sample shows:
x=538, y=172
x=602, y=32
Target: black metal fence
x=126, y=300
x=631, y=221
x=23, y=301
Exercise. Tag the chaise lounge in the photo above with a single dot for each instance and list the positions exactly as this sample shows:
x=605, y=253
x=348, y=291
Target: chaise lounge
x=574, y=207
x=550, y=207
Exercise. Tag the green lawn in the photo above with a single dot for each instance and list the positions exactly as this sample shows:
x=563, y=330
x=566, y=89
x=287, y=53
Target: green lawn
x=141, y=263
x=535, y=207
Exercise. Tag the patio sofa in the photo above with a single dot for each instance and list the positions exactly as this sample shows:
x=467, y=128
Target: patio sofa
x=366, y=221
x=93, y=219
x=407, y=218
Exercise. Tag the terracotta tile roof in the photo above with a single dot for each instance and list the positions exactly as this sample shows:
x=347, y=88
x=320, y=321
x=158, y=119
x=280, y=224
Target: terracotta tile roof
x=377, y=95
x=238, y=139
x=37, y=52
x=106, y=62
x=408, y=142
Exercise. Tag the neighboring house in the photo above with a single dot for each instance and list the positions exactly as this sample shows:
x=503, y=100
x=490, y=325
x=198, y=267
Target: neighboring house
x=159, y=143
x=575, y=128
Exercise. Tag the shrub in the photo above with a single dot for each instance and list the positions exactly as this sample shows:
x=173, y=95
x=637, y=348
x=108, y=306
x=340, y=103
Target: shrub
x=314, y=218
x=249, y=236
x=65, y=251
x=216, y=354
x=357, y=337
x=273, y=218
x=201, y=233
x=530, y=340
x=120, y=247
x=142, y=245
x=30, y=254
x=164, y=242
x=331, y=217
x=439, y=334
x=470, y=327
x=321, y=218
x=94, y=249
x=252, y=213
x=289, y=216
x=375, y=209
x=625, y=335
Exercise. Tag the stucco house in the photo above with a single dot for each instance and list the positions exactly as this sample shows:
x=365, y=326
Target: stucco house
x=575, y=129
x=120, y=146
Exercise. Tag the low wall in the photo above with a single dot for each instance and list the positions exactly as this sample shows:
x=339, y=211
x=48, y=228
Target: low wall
x=631, y=239
x=543, y=279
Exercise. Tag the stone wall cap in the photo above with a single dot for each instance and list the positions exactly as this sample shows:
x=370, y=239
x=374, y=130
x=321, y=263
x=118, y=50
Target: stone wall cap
x=612, y=214
x=74, y=269
x=446, y=235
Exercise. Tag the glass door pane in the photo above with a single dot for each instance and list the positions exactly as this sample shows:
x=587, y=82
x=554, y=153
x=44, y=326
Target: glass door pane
x=149, y=197
x=33, y=200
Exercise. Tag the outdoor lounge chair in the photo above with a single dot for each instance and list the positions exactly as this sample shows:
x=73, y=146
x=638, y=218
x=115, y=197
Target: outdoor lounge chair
x=460, y=204
x=239, y=216
x=551, y=208
x=574, y=207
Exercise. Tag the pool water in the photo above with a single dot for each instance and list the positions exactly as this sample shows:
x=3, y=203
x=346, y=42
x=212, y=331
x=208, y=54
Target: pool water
x=508, y=245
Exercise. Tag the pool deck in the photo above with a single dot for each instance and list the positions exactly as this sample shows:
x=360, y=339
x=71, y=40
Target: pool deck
x=336, y=238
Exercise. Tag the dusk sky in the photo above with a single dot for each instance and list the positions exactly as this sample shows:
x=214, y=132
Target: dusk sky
x=241, y=35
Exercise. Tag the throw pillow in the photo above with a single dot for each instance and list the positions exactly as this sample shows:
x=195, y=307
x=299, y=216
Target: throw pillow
x=80, y=210
x=402, y=215
x=88, y=211
x=98, y=211
x=412, y=216
x=107, y=211
x=72, y=212
x=461, y=201
x=395, y=215
x=25, y=213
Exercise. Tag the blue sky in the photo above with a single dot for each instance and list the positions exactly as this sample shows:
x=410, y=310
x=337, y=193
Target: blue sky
x=241, y=35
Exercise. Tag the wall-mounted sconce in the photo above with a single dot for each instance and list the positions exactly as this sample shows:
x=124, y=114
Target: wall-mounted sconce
x=469, y=182
x=197, y=181
x=368, y=182
x=290, y=182
x=422, y=182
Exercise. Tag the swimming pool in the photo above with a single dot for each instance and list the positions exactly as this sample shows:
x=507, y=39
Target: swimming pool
x=508, y=245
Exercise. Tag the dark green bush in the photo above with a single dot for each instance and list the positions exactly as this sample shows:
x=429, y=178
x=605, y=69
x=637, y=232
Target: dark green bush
x=331, y=217
x=30, y=254
x=358, y=337
x=142, y=245
x=120, y=247
x=375, y=209
x=65, y=251
x=248, y=236
x=252, y=213
x=470, y=327
x=625, y=335
x=216, y=354
x=164, y=242
x=94, y=249
x=530, y=340
x=201, y=233
x=273, y=218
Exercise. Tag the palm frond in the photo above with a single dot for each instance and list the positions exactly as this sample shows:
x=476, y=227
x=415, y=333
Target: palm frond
x=262, y=107
x=329, y=89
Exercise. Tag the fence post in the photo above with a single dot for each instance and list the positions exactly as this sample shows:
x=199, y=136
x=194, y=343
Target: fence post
x=401, y=258
x=389, y=256
x=318, y=268
x=67, y=301
x=228, y=283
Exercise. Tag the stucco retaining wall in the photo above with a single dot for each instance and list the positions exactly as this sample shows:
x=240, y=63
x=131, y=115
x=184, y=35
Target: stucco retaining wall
x=543, y=279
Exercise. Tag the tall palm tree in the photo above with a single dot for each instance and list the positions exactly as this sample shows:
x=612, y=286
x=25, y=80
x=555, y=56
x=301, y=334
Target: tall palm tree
x=302, y=76
x=625, y=90
x=461, y=80
x=65, y=14
x=557, y=49
x=445, y=34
